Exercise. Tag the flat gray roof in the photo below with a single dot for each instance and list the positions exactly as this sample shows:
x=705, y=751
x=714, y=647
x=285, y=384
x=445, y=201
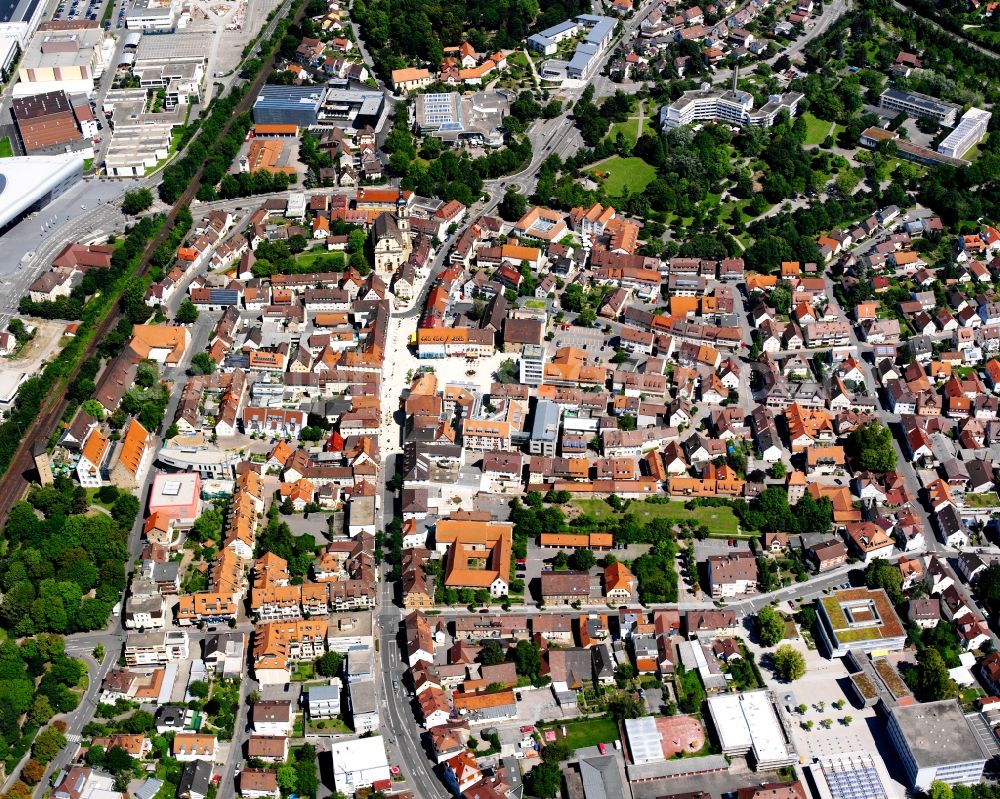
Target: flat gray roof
x=323, y=692
x=937, y=733
x=925, y=101
x=171, y=46
x=363, y=697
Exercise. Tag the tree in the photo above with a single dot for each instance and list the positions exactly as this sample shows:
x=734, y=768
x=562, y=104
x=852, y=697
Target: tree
x=881, y=573
x=988, y=587
x=556, y=751
x=846, y=182
x=187, y=314
x=202, y=363
x=17, y=329
x=544, y=780
x=871, y=446
x=770, y=626
x=32, y=772
x=199, y=689
x=133, y=301
x=329, y=664
x=781, y=298
x=305, y=774
x=135, y=202
x=125, y=510
x=582, y=559
x=527, y=659
x=492, y=653
x=47, y=744
x=933, y=682
x=117, y=760
x=789, y=663
x=778, y=470
x=626, y=705
x=513, y=205
x=288, y=779
x=94, y=408
x=41, y=710
x=940, y=790
x=107, y=494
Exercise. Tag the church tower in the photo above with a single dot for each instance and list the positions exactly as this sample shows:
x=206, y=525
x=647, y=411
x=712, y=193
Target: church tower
x=403, y=215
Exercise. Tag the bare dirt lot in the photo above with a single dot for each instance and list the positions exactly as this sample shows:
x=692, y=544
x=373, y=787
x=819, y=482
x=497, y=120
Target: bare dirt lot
x=29, y=359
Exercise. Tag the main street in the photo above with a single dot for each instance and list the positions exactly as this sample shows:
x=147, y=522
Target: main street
x=403, y=739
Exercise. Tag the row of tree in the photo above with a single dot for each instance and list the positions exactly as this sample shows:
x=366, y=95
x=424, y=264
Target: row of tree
x=211, y=149
x=62, y=573
x=37, y=681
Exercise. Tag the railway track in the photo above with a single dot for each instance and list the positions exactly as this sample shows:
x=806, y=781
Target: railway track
x=15, y=481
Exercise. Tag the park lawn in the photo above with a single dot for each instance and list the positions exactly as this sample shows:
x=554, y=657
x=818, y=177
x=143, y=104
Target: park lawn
x=634, y=173
x=985, y=500
x=627, y=129
x=6, y=150
x=721, y=522
x=93, y=499
x=649, y=121
x=587, y=732
x=743, y=205
x=816, y=129
x=329, y=727
x=321, y=254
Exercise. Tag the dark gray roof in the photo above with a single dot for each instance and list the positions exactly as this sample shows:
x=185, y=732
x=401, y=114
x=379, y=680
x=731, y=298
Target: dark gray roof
x=195, y=779
x=386, y=228
x=601, y=777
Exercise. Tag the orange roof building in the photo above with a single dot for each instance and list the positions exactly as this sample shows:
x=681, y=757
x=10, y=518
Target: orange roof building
x=541, y=224
x=576, y=540
x=265, y=155
x=193, y=746
x=478, y=554
x=569, y=366
x=410, y=78
x=133, y=456
x=279, y=644
x=93, y=454
x=161, y=343
x=619, y=583
x=494, y=701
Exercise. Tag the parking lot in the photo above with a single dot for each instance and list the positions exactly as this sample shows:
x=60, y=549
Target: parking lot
x=719, y=546
x=582, y=338
x=80, y=9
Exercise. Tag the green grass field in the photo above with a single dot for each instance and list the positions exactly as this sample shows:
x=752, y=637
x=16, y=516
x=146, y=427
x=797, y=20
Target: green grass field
x=816, y=129
x=326, y=258
x=986, y=500
x=6, y=151
x=650, y=120
x=628, y=129
x=720, y=521
x=587, y=732
x=621, y=172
